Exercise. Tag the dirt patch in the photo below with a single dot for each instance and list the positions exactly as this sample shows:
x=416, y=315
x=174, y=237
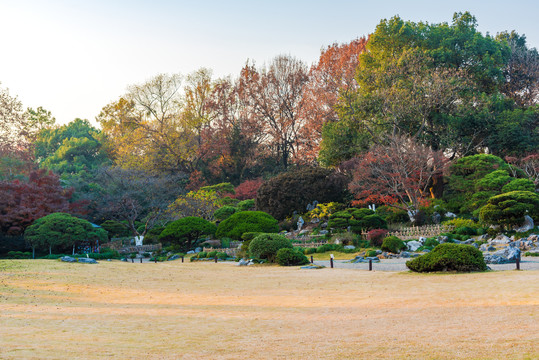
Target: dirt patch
x=53, y=310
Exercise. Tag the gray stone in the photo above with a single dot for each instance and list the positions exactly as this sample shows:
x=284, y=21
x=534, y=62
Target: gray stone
x=527, y=226
x=302, y=232
x=469, y=241
x=422, y=239
x=442, y=239
x=87, y=261
x=483, y=247
x=450, y=215
x=68, y=259
x=323, y=232
x=300, y=223
x=511, y=254
x=173, y=257
x=312, y=267
x=349, y=247
x=475, y=245
x=324, y=225
x=533, y=238
x=359, y=259
x=436, y=218
x=191, y=252
x=500, y=240
x=378, y=252
x=413, y=245
x=243, y=262
x=198, y=249
x=515, y=244
x=491, y=248
x=405, y=254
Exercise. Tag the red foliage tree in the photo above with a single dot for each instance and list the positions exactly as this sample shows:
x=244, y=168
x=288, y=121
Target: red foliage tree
x=399, y=174
x=247, y=189
x=331, y=78
x=23, y=202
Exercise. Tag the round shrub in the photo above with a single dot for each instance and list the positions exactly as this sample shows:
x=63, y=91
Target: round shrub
x=186, y=231
x=247, y=221
x=265, y=246
x=509, y=209
x=449, y=257
x=393, y=244
x=465, y=230
x=246, y=205
x=224, y=212
x=294, y=190
x=290, y=257
x=357, y=219
x=430, y=242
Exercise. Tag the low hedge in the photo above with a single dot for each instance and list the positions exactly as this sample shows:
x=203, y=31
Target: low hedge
x=449, y=257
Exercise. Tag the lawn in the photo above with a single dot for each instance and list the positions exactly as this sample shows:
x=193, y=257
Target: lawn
x=54, y=310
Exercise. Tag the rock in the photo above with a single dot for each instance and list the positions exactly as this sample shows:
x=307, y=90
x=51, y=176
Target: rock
x=243, y=262
x=315, y=220
x=469, y=242
x=173, y=257
x=68, y=259
x=405, y=254
x=303, y=232
x=324, y=225
x=422, y=239
x=191, y=252
x=378, y=252
x=527, y=226
x=349, y=247
x=515, y=244
x=482, y=237
x=87, y=261
x=413, y=245
x=450, y=215
x=491, y=248
x=483, y=247
x=442, y=239
x=309, y=267
x=455, y=241
x=198, y=249
x=359, y=259
x=475, y=245
x=510, y=253
x=436, y=218
x=323, y=232
x=533, y=238
x=500, y=239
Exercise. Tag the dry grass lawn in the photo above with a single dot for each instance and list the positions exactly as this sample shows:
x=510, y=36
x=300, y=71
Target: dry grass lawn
x=115, y=310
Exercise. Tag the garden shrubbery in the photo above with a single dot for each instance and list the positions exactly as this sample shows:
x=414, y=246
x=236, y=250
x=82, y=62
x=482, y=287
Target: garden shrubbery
x=265, y=246
x=449, y=257
x=393, y=244
x=357, y=220
x=290, y=257
x=246, y=221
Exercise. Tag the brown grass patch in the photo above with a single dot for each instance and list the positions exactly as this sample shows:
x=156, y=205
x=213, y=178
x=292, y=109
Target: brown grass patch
x=53, y=310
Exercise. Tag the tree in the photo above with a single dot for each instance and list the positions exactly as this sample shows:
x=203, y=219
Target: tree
x=22, y=202
x=294, y=190
x=246, y=221
x=129, y=196
x=399, y=173
x=529, y=164
x=61, y=230
x=186, y=231
x=13, y=124
x=276, y=98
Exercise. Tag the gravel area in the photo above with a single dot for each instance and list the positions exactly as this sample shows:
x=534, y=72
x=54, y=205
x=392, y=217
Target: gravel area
x=527, y=263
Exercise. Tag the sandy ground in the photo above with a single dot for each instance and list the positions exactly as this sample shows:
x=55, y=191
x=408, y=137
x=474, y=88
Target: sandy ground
x=174, y=310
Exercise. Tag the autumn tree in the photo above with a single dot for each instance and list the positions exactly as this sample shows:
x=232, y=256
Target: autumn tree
x=275, y=96
x=398, y=173
x=22, y=202
x=13, y=123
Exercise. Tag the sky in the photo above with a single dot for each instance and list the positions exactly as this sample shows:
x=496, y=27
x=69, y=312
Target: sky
x=74, y=57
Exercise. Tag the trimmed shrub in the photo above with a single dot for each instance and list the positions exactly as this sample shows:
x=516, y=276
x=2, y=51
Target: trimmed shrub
x=519, y=185
x=430, y=242
x=449, y=257
x=294, y=190
x=265, y=246
x=465, y=230
x=290, y=257
x=224, y=212
x=246, y=205
x=246, y=221
x=249, y=235
x=370, y=253
x=509, y=209
x=393, y=244
x=357, y=219
x=376, y=236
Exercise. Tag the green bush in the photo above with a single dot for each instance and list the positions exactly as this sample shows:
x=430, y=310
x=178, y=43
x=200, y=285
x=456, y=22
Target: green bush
x=225, y=243
x=519, y=185
x=222, y=256
x=392, y=215
x=246, y=205
x=370, y=253
x=309, y=251
x=465, y=230
x=265, y=246
x=212, y=254
x=531, y=254
x=246, y=221
x=460, y=222
x=290, y=257
x=449, y=257
x=431, y=243
x=224, y=212
x=19, y=255
x=202, y=255
x=393, y=244
x=249, y=235
x=509, y=209
x=357, y=219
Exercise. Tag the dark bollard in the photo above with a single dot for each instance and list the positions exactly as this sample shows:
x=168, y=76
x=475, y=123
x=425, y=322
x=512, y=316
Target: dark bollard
x=155, y=260
x=141, y=260
x=518, y=263
x=331, y=262
x=370, y=264
x=312, y=260
x=133, y=261
x=182, y=258
x=216, y=259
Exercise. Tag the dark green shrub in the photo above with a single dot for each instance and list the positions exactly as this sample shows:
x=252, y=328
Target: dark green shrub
x=309, y=251
x=465, y=230
x=246, y=205
x=265, y=246
x=509, y=209
x=249, y=235
x=431, y=242
x=202, y=255
x=152, y=236
x=105, y=255
x=519, y=185
x=247, y=221
x=449, y=257
x=290, y=257
x=222, y=256
x=357, y=220
x=330, y=247
x=392, y=215
x=528, y=253
x=116, y=229
x=393, y=244
x=19, y=255
x=224, y=212
x=294, y=190
x=225, y=243
x=370, y=253
x=212, y=254
x=186, y=231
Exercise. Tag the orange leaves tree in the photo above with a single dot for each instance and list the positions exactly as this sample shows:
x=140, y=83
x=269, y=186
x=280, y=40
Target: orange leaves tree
x=398, y=173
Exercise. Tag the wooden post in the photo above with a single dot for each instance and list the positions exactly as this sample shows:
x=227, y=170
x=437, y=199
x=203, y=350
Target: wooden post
x=370, y=264
x=141, y=260
x=132, y=260
x=518, y=263
x=155, y=259
x=331, y=260
x=216, y=259
x=312, y=260
x=182, y=258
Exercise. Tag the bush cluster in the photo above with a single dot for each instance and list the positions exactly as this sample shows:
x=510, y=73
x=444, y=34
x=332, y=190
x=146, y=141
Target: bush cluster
x=265, y=246
x=393, y=244
x=357, y=220
x=243, y=222
x=290, y=257
x=449, y=257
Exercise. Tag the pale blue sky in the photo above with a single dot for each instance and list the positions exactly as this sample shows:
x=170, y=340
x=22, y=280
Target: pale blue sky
x=74, y=57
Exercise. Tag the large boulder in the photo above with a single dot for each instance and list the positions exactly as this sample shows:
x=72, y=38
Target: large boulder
x=68, y=259
x=87, y=261
x=504, y=256
x=527, y=226
x=413, y=245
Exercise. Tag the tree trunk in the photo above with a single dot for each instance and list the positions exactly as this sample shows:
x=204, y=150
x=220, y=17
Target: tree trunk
x=33, y=252
x=50, y=249
x=73, y=249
